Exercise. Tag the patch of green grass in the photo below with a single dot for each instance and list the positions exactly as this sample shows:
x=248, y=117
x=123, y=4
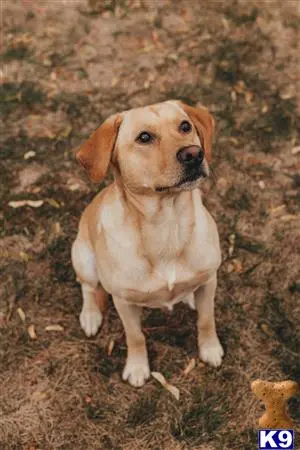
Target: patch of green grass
x=158, y=22
x=295, y=287
x=230, y=337
x=185, y=92
x=278, y=124
x=228, y=61
x=60, y=251
x=15, y=147
x=6, y=180
x=24, y=94
x=18, y=52
x=107, y=443
x=241, y=19
x=95, y=412
x=294, y=407
x=289, y=363
x=235, y=440
x=292, y=22
x=296, y=180
x=282, y=325
x=59, y=246
x=142, y=411
x=232, y=58
x=74, y=105
x=203, y=419
x=256, y=84
x=227, y=116
x=30, y=15
x=118, y=33
x=249, y=244
x=99, y=6
x=107, y=365
x=237, y=199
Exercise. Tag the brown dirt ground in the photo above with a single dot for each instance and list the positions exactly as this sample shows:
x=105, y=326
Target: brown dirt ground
x=66, y=65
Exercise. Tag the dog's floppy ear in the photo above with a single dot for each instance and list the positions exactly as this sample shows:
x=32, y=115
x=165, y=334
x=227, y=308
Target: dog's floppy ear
x=205, y=125
x=95, y=154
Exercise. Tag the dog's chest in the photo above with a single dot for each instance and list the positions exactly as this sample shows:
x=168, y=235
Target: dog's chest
x=161, y=264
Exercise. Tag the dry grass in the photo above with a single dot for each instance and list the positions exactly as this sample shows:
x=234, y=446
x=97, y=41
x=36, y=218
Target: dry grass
x=67, y=66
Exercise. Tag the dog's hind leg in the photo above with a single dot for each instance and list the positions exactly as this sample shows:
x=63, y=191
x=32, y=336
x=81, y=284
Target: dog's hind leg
x=85, y=267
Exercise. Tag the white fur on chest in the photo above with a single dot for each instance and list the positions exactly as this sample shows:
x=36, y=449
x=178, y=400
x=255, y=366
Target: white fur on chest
x=157, y=276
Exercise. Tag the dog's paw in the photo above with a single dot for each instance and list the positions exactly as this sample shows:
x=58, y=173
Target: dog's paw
x=90, y=321
x=136, y=371
x=211, y=351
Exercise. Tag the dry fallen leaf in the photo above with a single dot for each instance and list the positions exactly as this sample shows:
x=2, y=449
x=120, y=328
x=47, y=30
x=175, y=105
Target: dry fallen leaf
x=222, y=185
x=88, y=52
x=155, y=36
x=296, y=150
x=20, y=203
x=114, y=81
x=267, y=330
x=29, y=175
x=278, y=210
x=110, y=347
x=31, y=332
x=3, y=319
x=66, y=131
x=240, y=87
x=233, y=96
x=235, y=266
x=38, y=395
x=74, y=187
x=287, y=92
x=57, y=228
x=169, y=387
x=24, y=257
x=231, y=240
x=54, y=328
x=53, y=203
x=21, y=314
x=288, y=217
x=191, y=365
x=30, y=154
x=249, y=96
x=230, y=268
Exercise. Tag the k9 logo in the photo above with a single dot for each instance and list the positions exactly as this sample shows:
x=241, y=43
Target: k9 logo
x=275, y=439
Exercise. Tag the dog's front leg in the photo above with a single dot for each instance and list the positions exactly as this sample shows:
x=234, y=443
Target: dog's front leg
x=136, y=370
x=210, y=349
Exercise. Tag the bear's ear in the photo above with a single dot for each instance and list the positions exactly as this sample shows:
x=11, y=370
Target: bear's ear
x=95, y=154
x=204, y=123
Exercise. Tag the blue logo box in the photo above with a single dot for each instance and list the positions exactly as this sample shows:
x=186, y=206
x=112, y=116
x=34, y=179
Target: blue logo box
x=276, y=439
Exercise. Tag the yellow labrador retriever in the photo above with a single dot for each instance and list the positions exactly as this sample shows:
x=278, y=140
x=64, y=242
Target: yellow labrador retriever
x=147, y=239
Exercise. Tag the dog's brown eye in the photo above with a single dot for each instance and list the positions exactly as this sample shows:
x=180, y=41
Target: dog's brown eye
x=144, y=137
x=185, y=126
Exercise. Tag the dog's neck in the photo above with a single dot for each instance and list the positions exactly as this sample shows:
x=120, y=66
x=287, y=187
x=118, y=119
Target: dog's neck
x=153, y=207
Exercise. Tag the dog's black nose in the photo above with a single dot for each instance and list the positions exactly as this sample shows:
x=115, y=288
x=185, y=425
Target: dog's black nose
x=190, y=156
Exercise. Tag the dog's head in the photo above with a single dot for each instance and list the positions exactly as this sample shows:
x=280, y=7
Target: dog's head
x=163, y=147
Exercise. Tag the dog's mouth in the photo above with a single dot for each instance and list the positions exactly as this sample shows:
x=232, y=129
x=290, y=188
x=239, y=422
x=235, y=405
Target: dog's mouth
x=193, y=176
